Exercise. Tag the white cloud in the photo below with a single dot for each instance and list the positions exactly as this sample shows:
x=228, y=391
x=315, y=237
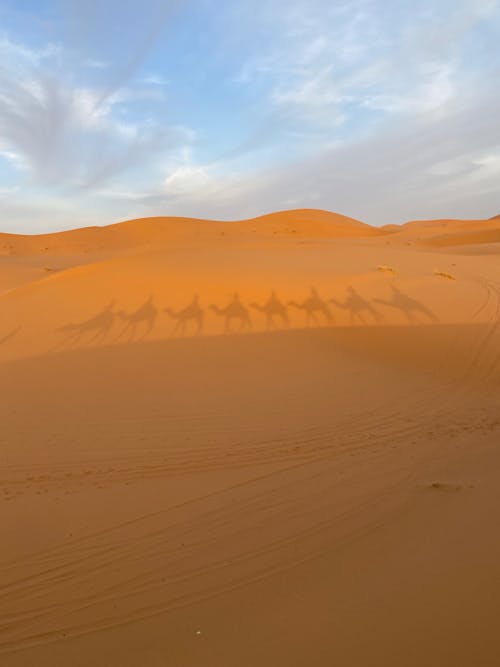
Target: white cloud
x=187, y=179
x=321, y=58
x=382, y=110
x=5, y=192
x=434, y=90
x=96, y=64
x=315, y=97
x=325, y=60
x=434, y=166
x=16, y=56
x=154, y=80
x=69, y=134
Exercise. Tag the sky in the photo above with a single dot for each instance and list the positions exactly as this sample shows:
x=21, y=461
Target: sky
x=383, y=110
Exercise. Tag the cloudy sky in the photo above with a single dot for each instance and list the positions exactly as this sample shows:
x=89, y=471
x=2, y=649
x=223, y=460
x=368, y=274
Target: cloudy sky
x=385, y=110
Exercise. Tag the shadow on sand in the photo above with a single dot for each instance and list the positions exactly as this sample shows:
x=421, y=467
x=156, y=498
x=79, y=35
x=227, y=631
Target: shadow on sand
x=357, y=307
x=314, y=306
x=273, y=309
x=96, y=327
x=413, y=310
x=190, y=319
x=12, y=334
x=234, y=311
x=144, y=318
x=193, y=312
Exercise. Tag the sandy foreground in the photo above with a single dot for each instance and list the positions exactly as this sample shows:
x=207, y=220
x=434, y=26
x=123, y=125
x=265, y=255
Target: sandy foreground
x=272, y=442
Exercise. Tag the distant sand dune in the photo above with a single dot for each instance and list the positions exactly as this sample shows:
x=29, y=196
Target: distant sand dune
x=145, y=232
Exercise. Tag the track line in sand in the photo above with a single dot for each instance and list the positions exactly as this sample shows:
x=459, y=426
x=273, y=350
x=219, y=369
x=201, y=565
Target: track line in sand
x=65, y=573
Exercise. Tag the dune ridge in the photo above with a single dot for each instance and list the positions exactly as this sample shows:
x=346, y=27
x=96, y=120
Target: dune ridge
x=450, y=232
x=310, y=223
x=300, y=224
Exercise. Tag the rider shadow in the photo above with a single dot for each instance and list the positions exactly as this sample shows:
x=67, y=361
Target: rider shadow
x=357, y=307
x=12, y=334
x=275, y=311
x=144, y=318
x=97, y=327
x=234, y=311
x=413, y=310
x=193, y=312
x=316, y=309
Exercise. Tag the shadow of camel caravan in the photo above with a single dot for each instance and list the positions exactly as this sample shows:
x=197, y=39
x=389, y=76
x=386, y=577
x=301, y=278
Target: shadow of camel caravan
x=97, y=326
x=143, y=318
x=413, y=310
x=357, y=306
x=193, y=312
x=316, y=309
x=273, y=309
x=190, y=320
x=235, y=311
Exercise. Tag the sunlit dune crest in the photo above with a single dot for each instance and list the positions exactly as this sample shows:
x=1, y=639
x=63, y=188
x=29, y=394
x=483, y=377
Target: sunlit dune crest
x=146, y=231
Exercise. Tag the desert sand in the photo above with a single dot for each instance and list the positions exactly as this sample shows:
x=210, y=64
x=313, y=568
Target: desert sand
x=268, y=442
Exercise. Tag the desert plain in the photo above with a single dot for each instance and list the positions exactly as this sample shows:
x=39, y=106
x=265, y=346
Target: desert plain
x=266, y=442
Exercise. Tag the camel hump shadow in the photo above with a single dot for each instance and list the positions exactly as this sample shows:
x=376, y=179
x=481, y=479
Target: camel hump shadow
x=314, y=307
x=143, y=318
x=99, y=325
x=412, y=309
x=235, y=310
x=193, y=312
x=274, y=310
x=357, y=307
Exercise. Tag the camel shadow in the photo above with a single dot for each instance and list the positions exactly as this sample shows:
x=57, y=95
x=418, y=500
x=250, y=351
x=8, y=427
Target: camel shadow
x=413, y=310
x=143, y=318
x=97, y=327
x=12, y=334
x=193, y=312
x=357, y=307
x=314, y=306
x=273, y=309
x=234, y=311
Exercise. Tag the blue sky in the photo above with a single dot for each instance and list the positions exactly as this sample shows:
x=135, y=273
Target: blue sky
x=385, y=110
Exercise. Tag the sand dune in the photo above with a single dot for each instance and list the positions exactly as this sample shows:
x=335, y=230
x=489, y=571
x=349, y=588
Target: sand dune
x=151, y=232
x=269, y=442
x=443, y=233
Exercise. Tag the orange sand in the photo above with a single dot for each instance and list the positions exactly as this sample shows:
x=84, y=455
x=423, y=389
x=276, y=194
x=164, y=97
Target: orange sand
x=269, y=442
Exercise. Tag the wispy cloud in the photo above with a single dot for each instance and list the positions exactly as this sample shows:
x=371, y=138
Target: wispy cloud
x=383, y=110
x=434, y=166
x=138, y=28
x=328, y=61
x=67, y=133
